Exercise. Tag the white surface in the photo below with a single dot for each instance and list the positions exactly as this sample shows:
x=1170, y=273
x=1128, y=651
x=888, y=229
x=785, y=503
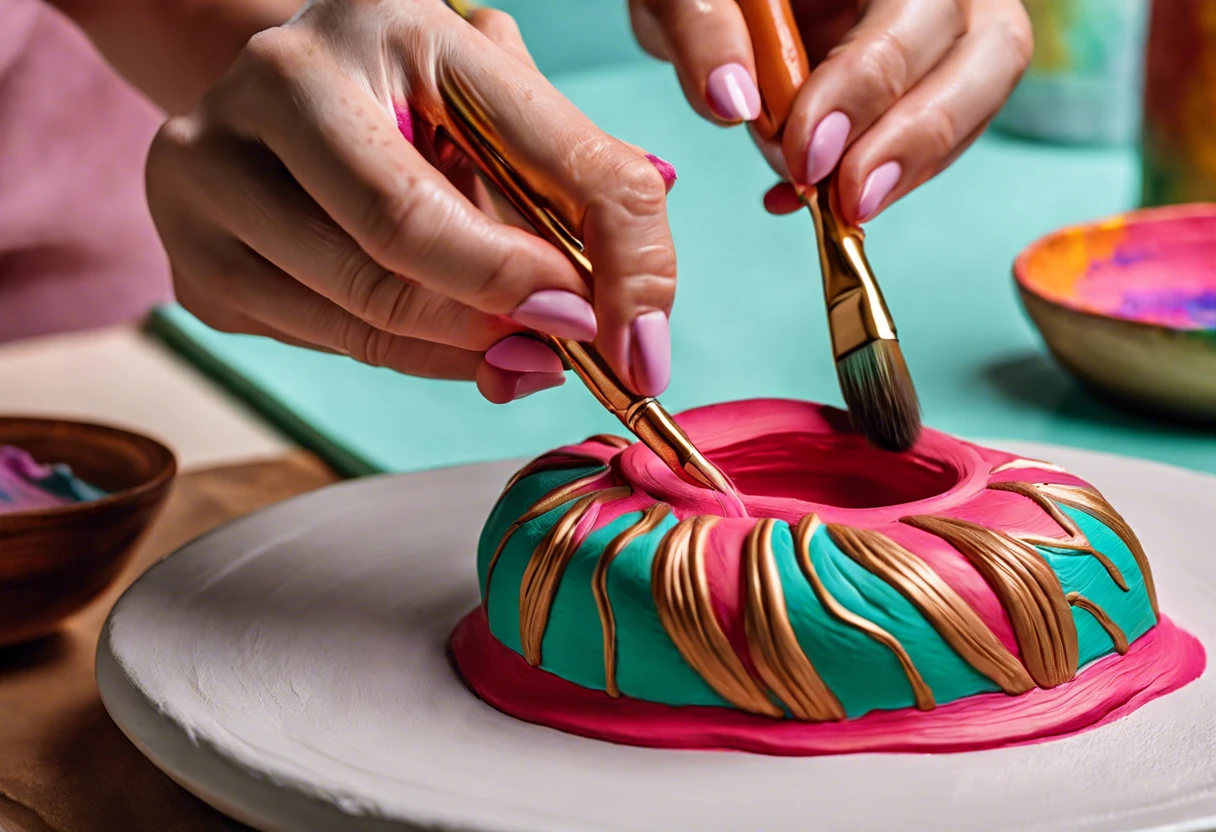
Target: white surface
x=124, y=378
x=290, y=669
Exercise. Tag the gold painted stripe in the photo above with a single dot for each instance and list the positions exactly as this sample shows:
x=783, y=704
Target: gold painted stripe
x=681, y=595
x=649, y=521
x=803, y=533
x=551, y=462
x=949, y=614
x=1095, y=505
x=543, y=574
x=1028, y=589
x=609, y=440
x=559, y=495
x=774, y=648
x=1076, y=541
x=1026, y=462
x=1112, y=629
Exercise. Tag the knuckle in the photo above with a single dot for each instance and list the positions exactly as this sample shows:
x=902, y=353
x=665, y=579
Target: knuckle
x=882, y=66
x=365, y=287
x=173, y=143
x=504, y=285
x=656, y=288
x=366, y=344
x=940, y=131
x=395, y=222
x=495, y=21
x=1016, y=36
x=639, y=187
x=276, y=55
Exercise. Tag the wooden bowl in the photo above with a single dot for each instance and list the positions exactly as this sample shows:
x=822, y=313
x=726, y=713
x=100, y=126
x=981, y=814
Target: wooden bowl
x=54, y=561
x=1128, y=305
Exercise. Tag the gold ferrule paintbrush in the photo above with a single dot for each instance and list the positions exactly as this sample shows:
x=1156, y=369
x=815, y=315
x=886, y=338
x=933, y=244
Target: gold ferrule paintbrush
x=874, y=378
x=469, y=128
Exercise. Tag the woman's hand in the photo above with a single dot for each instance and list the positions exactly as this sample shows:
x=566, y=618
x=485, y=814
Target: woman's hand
x=292, y=206
x=898, y=88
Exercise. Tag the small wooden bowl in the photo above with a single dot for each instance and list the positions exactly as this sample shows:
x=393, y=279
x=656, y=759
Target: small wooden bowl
x=54, y=561
x=1128, y=305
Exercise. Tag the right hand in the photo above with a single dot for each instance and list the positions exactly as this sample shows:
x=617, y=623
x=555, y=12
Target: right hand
x=292, y=207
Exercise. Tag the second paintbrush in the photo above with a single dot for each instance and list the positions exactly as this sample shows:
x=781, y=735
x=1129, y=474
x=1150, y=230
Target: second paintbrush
x=874, y=377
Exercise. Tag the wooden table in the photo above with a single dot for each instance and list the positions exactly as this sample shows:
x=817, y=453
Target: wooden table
x=64, y=765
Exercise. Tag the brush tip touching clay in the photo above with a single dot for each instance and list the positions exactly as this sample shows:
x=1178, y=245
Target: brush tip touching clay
x=951, y=597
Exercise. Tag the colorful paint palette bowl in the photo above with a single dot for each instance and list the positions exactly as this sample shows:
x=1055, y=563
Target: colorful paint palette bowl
x=1129, y=305
x=55, y=560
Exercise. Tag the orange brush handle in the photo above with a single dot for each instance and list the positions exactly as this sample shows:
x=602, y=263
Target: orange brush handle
x=781, y=62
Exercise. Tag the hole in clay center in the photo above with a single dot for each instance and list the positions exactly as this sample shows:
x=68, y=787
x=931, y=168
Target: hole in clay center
x=840, y=471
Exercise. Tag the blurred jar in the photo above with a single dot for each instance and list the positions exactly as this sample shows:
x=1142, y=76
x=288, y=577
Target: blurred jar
x=1178, y=144
x=1084, y=82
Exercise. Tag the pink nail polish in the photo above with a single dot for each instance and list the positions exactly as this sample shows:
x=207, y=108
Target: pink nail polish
x=405, y=121
x=827, y=146
x=530, y=383
x=878, y=185
x=650, y=353
x=522, y=354
x=559, y=313
x=732, y=93
x=665, y=168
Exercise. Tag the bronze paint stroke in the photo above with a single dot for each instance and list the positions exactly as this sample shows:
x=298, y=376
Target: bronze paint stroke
x=1095, y=505
x=681, y=595
x=1113, y=630
x=803, y=533
x=1028, y=589
x=946, y=611
x=562, y=494
x=552, y=462
x=649, y=521
x=1076, y=540
x=774, y=648
x=543, y=574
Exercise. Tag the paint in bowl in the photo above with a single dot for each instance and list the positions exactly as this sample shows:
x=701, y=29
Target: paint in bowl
x=1128, y=305
x=56, y=559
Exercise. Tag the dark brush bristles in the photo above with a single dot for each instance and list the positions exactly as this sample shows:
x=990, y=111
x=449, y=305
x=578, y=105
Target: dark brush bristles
x=878, y=391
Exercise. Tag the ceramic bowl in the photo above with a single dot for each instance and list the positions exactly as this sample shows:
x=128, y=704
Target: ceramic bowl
x=54, y=561
x=1128, y=305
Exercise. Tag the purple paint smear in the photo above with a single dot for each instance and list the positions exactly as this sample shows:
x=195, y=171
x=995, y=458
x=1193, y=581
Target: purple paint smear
x=26, y=484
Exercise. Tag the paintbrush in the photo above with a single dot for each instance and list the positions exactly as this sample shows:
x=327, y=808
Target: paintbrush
x=874, y=378
x=467, y=126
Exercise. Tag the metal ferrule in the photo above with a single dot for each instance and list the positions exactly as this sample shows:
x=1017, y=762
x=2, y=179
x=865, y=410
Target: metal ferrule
x=857, y=313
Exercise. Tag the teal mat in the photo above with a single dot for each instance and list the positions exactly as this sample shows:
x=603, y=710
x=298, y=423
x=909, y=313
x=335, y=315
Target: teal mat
x=749, y=317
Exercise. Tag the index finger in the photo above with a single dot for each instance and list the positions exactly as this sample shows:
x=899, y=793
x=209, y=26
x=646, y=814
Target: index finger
x=613, y=197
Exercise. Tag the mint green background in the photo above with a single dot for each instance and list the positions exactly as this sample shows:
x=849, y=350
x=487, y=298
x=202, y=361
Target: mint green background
x=749, y=317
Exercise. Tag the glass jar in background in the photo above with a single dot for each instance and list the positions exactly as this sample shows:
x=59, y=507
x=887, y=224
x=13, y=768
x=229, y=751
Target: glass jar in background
x=1178, y=141
x=1084, y=82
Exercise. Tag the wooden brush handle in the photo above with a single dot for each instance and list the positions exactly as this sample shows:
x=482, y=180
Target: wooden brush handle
x=781, y=62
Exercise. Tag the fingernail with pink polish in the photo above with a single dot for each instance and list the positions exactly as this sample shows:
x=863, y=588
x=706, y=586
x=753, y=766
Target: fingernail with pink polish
x=405, y=121
x=878, y=185
x=732, y=93
x=650, y=353
x=530, y=383
x=559, y=313
x=827, y=146
x=665, y=168
x=522, y=354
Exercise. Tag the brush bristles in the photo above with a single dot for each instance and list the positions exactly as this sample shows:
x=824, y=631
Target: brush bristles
x=878, y=391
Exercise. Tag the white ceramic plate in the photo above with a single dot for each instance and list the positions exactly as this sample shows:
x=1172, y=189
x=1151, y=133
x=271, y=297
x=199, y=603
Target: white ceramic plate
x=290, y=670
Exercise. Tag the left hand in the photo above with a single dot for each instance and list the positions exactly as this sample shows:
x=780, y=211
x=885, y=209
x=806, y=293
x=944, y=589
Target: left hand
x=897, y=90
